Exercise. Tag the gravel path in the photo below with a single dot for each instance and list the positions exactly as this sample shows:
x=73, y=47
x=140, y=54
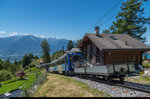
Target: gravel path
x=114, y=91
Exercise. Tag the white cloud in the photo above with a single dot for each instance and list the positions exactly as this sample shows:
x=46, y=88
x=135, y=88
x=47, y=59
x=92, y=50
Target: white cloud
x=42, y=36
x=36, y=35
x=2, y=32
x=13, y=34
x=26, y=34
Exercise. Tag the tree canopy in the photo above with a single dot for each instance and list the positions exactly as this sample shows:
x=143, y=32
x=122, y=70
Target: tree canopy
x=131, y=20
x=77, y=43
x=45, y=50
x=70, y=45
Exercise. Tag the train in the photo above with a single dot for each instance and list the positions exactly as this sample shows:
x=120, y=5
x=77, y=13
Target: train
x=73, y=63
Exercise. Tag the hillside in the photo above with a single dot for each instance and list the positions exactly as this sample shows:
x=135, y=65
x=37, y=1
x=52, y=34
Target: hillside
x=14, y=47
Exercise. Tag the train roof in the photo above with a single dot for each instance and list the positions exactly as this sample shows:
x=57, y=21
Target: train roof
x=73, y=50
x=54, y=61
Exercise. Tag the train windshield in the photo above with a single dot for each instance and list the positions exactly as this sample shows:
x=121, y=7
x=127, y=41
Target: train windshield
x=76, y=58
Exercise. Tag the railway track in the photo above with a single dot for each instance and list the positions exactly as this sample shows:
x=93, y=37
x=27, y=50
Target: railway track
x=126, y=84
x=133, y=85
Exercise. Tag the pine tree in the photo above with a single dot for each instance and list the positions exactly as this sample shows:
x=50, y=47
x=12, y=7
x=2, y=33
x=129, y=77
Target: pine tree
x=15, y=62
x=45, y=50
x=31, y=56
x=26, y=60
x=77, y=43
x=131, y=20
x=70, y=45
x=1, y=65
x=106, y=31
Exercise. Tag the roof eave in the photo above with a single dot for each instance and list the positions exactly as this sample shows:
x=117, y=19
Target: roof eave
x=139, y=49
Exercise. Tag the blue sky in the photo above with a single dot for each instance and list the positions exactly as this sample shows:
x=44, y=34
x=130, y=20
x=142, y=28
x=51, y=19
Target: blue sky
x=69, y=19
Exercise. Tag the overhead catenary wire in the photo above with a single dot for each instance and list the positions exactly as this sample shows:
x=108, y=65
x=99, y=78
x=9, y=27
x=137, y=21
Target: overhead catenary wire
x=104, y=16
x=116, y=13
x=101, y=18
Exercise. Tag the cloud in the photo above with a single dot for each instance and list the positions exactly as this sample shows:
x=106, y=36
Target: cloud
x=13, y=34
x=26, y=34
x=36, y=35
x=2, y=32
x=42, y=36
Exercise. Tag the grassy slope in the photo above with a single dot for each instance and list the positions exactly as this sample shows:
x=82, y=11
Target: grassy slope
x=15, y=84
x=61, y=86
x=36, y=62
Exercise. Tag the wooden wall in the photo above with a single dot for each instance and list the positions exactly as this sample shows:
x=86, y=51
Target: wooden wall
x=90, y=51
x=92, y=54
x=122, y=57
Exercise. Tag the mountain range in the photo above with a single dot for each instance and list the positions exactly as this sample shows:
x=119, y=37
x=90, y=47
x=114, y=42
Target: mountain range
x=15, y=47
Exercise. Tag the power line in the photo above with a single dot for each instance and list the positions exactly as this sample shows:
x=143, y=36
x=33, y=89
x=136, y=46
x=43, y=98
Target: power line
x=109, y=18
x=107, y=13
x=119, y=11
x=100, y=19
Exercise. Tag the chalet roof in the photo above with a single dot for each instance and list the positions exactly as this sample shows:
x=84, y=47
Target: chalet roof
x=114, y=42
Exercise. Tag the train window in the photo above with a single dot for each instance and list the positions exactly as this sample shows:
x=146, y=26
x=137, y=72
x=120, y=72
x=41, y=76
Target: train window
x=75, y=58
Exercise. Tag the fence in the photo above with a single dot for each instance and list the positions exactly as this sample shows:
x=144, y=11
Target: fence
x=40, y=78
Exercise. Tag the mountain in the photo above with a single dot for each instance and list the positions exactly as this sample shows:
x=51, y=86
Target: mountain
x=14, y=47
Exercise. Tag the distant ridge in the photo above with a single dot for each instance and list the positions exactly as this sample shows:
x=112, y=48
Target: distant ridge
x=14, y=47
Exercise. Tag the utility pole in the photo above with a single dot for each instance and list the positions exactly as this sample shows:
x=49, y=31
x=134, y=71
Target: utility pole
x=63, y=49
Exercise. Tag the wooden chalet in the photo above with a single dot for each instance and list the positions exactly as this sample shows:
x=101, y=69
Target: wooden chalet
x=103, y=49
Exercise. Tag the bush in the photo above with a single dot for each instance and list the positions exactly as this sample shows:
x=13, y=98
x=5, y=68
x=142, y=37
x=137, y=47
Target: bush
x=31, y=65
x=32, y=70
x=21, y=74
x=5, y=75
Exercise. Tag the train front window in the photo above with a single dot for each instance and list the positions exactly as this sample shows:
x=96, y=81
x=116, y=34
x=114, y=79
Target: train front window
x=75, y=58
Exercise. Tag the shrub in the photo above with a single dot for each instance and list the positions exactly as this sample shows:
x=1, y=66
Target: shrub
x=5, y=75
x=32, y=70
x=31, y=65
x=21, y=74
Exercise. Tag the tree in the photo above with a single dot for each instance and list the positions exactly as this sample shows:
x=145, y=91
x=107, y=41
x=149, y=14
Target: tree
x=77, y=43
x=15, y=62
x=131, y=20
x=70, y=45
x=1, y=65
x=36, y=57
x=106, y=31
x=25, y=61
x=45, y=50
x=7, y=65
x=57, y=54
x=31, y=56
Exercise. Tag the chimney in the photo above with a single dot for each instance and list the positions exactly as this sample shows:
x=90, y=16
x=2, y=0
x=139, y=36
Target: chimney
x=97, y=30
x=126, y=43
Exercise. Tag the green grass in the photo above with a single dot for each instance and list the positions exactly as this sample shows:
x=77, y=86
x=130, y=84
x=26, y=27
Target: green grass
x=36, y=62
x=16, y=83
x=11, y=86
x=9, y=81
x=145, y=79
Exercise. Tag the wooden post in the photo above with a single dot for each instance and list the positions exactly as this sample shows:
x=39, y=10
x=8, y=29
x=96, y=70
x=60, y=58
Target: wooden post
x=63, y=49
x=46, y=67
